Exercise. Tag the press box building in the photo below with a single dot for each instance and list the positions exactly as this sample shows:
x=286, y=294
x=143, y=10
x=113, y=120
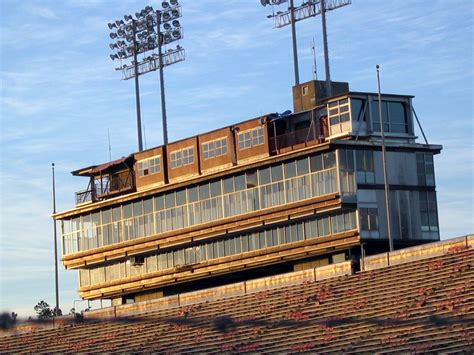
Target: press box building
x=272, y=194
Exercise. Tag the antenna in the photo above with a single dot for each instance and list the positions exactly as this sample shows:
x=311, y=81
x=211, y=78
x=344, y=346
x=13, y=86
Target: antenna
x=110, y=147
x=315, y=68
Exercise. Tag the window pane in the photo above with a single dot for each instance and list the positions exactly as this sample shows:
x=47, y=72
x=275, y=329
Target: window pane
x=302, y=167
x=357, y=108
x=148, y=205
x=397, y=112
x=277, y=173
x=106, y=217
x=180, y=197
x=137, y=208
x=329, y=160
x=228, y=185
x=170, y=200
x=215, y=188
x=159, y=202
x=264, y=176
x=290, y=170
x=316, y=162
x=239, y=182
x=192, y=194
x=204, y=193
x=127, y=210
x=251, y=179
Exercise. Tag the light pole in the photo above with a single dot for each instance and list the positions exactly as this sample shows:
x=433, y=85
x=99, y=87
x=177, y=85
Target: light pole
x=150, y=30
x=56, y=276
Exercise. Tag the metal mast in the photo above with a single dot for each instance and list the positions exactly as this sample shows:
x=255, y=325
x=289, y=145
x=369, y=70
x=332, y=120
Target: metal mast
x=384, y=163
x=56, y=275
x=307, y=9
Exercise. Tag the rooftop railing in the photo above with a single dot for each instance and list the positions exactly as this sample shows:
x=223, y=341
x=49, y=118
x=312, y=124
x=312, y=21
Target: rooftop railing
x=294, y=138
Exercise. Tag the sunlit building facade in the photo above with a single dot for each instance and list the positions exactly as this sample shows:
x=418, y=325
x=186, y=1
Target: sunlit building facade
x=276, y=193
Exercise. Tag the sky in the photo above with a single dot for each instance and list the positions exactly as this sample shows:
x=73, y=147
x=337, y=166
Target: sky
x=60, y=96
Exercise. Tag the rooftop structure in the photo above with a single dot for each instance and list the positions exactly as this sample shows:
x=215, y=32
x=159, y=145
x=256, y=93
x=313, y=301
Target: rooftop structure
x=276, y=193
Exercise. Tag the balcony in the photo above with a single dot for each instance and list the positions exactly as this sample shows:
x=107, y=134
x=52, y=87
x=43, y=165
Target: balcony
x=106, y=184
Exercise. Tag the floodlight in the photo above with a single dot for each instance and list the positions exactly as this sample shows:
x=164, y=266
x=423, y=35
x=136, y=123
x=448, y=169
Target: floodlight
x=176, y=33
x=143, y=33
x=166, y=16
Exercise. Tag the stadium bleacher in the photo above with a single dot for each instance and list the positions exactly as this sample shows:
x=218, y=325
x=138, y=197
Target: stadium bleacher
x=416, y=300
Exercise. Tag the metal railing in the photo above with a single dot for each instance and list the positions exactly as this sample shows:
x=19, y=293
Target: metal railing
x=293, y=138
x=85, y=196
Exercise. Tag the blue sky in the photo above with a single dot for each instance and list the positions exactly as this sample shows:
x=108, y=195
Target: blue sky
x=60, y=94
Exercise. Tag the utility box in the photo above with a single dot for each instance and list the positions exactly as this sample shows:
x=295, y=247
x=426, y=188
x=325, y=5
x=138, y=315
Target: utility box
x=308, y=95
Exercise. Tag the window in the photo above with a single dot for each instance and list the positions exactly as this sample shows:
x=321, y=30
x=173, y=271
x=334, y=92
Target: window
x=365, y=167
x=428, y=211
x=359, y=110
x=305, y=90
x=182, y=157
x=251, y=138
x=393, y=114
x=339, y=116
x=149, y=166
x=218, y=248
x=369, y=222
x=425, y=169
x=214, y=148
x=346, y=162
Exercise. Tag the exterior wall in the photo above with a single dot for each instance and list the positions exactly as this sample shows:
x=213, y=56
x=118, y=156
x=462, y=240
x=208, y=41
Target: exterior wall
x=218, y=162
x=156, y=179
x=254, y=152
x=186, y=171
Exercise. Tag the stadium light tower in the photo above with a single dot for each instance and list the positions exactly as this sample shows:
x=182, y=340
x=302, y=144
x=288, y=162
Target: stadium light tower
x=149, y=31
x=309, y=8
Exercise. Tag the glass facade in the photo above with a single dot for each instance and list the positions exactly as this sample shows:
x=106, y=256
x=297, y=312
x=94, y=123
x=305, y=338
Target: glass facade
x=425, y=169
x=250, y=191
x=365, y=167
x=428, y=211
x=239, y=244
x=346, y=172
x=394, y=117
